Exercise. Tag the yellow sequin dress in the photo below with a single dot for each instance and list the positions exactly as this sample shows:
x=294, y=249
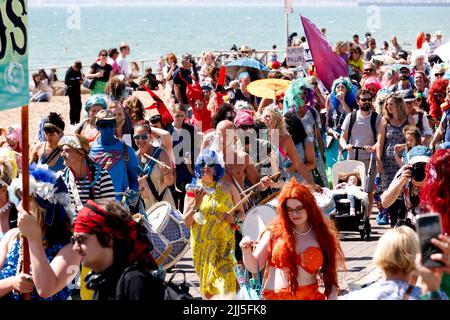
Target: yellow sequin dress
x=211, y=244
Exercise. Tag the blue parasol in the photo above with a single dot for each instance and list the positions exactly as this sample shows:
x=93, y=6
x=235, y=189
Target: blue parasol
x=255, y=68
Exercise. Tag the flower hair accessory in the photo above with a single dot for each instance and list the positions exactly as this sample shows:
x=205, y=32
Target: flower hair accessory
x=48, y=189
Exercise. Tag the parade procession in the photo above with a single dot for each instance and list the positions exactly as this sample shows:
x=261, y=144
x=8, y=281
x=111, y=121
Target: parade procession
x=315, y=168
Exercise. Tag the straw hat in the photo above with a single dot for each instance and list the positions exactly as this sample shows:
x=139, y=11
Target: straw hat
x=245, y=49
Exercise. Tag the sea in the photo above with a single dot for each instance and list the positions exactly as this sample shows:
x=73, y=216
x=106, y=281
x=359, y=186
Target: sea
x=58, y=35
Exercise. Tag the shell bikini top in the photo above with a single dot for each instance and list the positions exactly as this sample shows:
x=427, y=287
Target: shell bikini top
x=310, y=260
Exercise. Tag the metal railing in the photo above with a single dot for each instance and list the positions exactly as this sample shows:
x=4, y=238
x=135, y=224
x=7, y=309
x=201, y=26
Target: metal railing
x=221, y=57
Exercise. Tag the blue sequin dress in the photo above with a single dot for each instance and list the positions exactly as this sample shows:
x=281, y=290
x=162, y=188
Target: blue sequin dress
x=9, y=269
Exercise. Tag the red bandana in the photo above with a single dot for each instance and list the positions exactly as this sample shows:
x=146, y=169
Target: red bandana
x=94, y=219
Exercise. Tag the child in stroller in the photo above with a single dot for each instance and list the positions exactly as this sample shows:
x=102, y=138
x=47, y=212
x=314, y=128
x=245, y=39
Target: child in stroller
x=349, y=188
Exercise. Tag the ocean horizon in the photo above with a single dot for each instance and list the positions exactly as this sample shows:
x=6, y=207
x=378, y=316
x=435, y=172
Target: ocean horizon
x=61, y=34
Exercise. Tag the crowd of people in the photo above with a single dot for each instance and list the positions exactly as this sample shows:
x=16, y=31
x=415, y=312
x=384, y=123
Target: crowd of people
x=211, y=131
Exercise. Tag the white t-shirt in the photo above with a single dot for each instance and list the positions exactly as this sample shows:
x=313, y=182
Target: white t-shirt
x=123, y=64
x=362, y=134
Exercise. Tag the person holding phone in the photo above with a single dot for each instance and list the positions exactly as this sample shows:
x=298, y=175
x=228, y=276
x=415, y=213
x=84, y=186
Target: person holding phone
x=398, y=256
x=436, y=195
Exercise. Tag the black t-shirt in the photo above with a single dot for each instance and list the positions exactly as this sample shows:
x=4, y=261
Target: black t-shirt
x=125, y=283
x=186, y=74
x=106, y=71
x=239, y=95
x=72, y=80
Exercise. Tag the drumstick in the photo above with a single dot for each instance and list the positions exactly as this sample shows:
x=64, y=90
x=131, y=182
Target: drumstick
x=240, y=202
x=265, y=161
x=157, y=161
x=274, y=176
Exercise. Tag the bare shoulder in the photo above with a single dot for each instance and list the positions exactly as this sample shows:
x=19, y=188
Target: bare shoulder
x=9, y=238
x=228, y=187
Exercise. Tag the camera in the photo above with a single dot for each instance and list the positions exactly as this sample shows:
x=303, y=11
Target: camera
x=418, y=171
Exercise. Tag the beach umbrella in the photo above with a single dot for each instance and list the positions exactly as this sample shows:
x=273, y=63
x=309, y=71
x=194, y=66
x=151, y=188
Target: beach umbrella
x=268, y=88
x=255, y=68
x=443, y=52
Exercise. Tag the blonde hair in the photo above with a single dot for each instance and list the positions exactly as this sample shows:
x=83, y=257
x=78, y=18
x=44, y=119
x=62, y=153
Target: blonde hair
x=399, y=102
x=277, y=119
x=396, y=250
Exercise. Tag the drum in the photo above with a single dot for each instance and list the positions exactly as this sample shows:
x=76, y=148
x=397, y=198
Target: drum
x=325, y=201
x=169, y=235
x=257, y=218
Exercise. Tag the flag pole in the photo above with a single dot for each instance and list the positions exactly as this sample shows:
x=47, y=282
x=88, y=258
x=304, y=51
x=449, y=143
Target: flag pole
x=25, y=189
x=286, y=13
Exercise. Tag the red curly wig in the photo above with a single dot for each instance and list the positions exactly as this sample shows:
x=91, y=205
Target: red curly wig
x=439, y=85
x=436, y=192
x=282, y=230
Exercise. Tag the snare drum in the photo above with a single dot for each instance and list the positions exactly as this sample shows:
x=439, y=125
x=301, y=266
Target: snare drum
x=169, y=235
x=325, y=201
x=257, y=218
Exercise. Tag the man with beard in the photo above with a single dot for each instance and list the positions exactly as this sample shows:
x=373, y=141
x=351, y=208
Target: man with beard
x=405, y=84
x=355, y=133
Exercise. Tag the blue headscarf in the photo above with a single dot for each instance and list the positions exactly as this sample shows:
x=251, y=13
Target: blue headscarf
x=96, y=99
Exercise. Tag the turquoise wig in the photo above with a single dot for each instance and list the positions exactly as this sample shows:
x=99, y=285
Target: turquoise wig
x=293, y=97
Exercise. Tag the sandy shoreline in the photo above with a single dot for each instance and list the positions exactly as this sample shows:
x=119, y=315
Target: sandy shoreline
x=59, y=104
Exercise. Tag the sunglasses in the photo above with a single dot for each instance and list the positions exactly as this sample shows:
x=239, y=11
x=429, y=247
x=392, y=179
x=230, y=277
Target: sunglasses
x=439, y=74
x=368, y=70
x=80, y=239
x=105, y=125
x=246, y=126
x=140, y=137
x=439, y=95
x=314, y=83
x=103, y=55
x=365, y=99
x=207, y=165
x=179, y=116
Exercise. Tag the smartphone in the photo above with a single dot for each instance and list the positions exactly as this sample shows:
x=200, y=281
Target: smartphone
x=429, y=226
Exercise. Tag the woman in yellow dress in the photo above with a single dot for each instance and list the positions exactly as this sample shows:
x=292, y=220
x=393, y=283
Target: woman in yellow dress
x=207, y=213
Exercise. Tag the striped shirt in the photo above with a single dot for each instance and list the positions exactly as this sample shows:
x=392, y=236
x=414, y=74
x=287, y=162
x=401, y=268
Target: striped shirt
x=103, y=188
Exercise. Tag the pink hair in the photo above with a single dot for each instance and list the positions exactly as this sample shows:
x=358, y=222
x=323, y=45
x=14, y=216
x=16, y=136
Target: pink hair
x=372, y=81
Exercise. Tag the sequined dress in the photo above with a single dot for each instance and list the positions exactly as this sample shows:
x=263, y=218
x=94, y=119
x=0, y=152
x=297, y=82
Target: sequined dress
x=9, y=269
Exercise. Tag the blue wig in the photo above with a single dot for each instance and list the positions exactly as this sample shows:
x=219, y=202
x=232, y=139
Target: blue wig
x=350, y=97
x=209, y=156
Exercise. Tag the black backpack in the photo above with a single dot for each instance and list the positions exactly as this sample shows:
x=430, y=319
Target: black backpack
x=373, y=124
x=173, y=291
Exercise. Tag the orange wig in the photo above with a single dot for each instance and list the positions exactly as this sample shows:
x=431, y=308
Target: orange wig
x=282, y=230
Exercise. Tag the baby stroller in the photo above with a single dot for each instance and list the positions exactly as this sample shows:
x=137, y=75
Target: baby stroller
x=341, y=216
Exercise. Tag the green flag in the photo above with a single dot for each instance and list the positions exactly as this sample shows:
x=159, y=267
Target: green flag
x=13, y=54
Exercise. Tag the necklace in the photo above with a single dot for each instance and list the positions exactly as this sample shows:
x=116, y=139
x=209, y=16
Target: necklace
x=4, y=208
x=304, y=233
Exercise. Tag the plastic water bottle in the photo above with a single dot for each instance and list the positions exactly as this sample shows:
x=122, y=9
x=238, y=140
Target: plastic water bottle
x=195, y=187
